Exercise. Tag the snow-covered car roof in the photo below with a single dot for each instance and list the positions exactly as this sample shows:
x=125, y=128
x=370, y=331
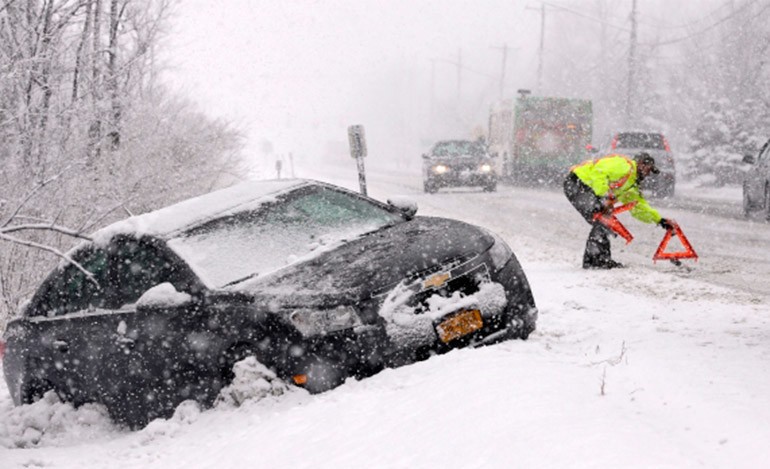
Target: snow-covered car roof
x=169, y=220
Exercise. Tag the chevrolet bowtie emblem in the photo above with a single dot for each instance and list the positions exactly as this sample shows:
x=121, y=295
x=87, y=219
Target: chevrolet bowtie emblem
x=435, y=281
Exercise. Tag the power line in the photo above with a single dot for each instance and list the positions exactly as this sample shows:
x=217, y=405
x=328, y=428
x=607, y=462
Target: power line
x=712, y=26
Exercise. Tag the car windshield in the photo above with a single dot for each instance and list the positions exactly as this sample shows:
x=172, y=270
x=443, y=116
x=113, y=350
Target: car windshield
x=297, y=226
x=649, y=141
x=459, y=148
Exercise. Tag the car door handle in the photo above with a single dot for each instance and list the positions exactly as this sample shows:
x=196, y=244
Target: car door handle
x=125, y=341
x=61, y=346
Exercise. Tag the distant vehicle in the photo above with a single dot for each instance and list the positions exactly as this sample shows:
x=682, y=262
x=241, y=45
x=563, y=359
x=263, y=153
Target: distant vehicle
x=756, y=183
x=319, y=283
x=453, y=163
x=656, y=144
x=539, y=138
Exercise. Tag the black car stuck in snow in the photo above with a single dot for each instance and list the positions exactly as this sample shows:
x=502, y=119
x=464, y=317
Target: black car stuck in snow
x=317, y=282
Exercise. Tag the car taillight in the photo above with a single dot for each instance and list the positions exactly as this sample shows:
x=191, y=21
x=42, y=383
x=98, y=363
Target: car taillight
x=666, y=145
x=614, y=144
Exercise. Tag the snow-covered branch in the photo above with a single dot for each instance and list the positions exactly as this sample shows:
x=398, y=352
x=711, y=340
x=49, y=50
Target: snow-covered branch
x=45, y=227
x=43, y=247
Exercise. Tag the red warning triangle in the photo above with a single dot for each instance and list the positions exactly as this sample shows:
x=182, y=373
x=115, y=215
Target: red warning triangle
x=612, y=222
x=687, y=253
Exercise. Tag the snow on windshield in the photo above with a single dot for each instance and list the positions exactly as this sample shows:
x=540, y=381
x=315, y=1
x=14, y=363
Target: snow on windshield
x=299, y=225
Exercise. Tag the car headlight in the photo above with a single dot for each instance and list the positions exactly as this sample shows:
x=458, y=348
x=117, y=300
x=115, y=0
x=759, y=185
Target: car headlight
x=486, y=168
x=500, y=253
x=311, y=322
x=440, y=169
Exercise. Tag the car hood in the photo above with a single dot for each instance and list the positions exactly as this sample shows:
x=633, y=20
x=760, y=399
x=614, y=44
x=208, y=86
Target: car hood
x=372, y=264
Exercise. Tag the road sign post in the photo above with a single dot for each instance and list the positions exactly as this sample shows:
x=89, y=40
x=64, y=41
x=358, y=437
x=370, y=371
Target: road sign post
x=357, y=141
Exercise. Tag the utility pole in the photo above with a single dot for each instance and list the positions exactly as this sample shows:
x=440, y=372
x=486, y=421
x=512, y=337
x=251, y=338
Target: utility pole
x=630, y=111
x=432, y=92
x=459, y=73
x=541, y=49
x=502, y=70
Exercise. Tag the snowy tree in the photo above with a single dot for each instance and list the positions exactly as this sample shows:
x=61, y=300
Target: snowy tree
x=84, y=119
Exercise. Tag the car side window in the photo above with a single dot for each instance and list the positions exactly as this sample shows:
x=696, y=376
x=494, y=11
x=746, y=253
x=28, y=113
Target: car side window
x=122, y=272
x=135, y=267
x=69, y=289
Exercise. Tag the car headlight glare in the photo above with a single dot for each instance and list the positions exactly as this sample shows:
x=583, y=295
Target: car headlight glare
x=440, y=169
x=500, y=253
x=311, y=322
x=486, y=168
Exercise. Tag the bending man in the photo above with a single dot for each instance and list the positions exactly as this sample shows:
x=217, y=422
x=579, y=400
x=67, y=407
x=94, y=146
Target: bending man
x=594, y=186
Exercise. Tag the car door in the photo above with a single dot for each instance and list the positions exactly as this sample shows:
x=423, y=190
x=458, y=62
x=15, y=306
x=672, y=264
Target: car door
x=142, y=344
x=67, y=342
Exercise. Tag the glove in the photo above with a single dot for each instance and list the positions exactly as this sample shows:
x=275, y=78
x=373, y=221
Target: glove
x=666, y=224
x=607, y=206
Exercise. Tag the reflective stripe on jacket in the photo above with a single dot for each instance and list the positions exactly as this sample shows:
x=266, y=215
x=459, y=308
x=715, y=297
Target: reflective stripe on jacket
x=614, y=176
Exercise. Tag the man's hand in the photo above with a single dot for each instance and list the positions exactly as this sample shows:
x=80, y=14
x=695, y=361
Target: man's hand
x=666, y=224
x=607, y=206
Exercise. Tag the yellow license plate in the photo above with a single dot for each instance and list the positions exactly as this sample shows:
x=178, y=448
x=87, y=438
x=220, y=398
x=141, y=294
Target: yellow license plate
x=462, y=323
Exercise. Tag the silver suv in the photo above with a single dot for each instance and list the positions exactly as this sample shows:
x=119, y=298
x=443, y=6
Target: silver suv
x=756, y=183
x=631, y=143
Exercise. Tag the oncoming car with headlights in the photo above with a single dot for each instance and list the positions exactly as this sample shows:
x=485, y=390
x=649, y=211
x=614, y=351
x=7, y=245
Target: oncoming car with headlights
x=317, y=282
x=453, y=163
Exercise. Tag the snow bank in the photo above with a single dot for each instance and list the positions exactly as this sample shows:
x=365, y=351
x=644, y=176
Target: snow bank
x=50, y=422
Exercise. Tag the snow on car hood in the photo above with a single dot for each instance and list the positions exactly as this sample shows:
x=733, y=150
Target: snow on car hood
x=374, y=263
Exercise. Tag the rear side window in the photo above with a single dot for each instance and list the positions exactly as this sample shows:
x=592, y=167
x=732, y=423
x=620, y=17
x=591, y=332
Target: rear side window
x=69, y=289
x=650, y=141
x=122, y=272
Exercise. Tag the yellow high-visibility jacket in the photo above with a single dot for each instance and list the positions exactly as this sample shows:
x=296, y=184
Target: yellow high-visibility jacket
x=615, y=176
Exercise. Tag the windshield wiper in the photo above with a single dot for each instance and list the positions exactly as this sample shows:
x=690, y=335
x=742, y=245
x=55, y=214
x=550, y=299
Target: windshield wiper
x=239, y=280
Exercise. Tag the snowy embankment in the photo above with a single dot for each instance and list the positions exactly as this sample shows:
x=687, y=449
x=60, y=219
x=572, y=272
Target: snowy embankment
x=640, y=367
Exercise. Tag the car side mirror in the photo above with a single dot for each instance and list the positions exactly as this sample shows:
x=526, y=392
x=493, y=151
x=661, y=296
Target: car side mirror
x=425, y=156
x=748, y=159
x=163, y=296
x=404, y=205
x=592, y=149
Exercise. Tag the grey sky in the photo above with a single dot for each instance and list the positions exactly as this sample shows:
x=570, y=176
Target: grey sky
x=298, y=73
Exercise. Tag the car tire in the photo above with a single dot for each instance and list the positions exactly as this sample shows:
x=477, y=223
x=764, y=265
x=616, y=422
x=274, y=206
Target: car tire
x=491, y=187
x=430, y=187
x=33, y=390
x=322, y=374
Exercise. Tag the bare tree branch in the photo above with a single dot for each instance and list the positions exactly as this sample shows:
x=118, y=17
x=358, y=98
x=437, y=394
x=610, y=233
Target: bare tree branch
x=30, y=195
x=50, y=249
x=45, y=227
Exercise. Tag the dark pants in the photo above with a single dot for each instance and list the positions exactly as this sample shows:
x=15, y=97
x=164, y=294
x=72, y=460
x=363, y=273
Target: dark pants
x=582, y=197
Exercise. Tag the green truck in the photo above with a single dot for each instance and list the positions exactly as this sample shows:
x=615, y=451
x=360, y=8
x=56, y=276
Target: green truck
x=537, y=138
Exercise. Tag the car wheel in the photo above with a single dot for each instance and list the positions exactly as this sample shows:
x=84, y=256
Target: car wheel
x=491, y=187
x=430, y=186
x=235, y=354
x=322, y=374
x=34, y=390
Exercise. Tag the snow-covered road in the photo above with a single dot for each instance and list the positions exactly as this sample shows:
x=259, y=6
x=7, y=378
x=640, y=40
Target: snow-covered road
x=648, y=366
